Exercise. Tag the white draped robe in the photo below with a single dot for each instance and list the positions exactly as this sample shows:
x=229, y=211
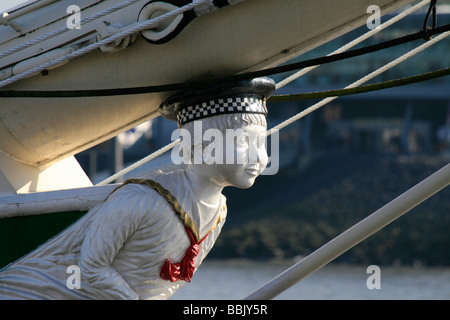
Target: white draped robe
x=119, y=246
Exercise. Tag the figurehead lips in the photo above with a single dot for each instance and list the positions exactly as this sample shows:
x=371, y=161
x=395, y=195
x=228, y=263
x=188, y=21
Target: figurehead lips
x=247, y=96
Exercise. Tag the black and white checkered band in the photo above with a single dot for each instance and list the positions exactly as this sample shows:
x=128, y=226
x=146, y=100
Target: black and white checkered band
x=221, y=106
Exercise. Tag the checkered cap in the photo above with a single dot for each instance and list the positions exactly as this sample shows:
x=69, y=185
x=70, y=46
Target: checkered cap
x=222, y=106
x=247, y=96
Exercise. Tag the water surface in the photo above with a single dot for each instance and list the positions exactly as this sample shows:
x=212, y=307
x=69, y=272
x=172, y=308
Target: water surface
x=234, y=280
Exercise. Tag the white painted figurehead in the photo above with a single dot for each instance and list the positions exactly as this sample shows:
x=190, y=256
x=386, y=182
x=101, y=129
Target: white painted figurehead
x=148, y=237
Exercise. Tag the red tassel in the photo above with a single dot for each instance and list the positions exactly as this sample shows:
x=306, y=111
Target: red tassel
x=184, y=269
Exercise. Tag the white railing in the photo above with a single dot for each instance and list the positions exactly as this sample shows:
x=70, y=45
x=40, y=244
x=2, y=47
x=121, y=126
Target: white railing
x=348, y=239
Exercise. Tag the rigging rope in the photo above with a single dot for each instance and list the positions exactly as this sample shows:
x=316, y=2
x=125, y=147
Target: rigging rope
x=139, y=163
x=364, y=89
x=65, y=29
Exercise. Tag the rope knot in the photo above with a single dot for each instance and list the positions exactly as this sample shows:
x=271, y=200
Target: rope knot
x=183, y=270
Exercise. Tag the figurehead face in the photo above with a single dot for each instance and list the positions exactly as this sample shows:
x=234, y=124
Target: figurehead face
x=224, y=130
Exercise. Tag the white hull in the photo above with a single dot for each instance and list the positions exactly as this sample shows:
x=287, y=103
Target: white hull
x=251, y=35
